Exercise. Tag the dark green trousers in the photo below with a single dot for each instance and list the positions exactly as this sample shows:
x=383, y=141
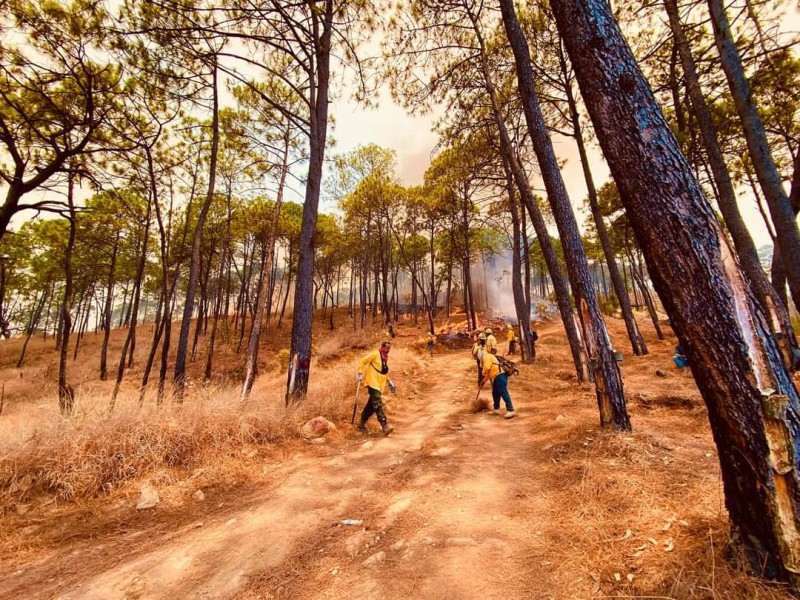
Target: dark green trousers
x=374, y=406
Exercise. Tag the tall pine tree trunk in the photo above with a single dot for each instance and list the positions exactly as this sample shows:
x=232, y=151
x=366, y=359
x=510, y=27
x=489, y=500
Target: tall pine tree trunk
x=251, y=358
x=608, y=382
x=510, y=157
x=753, y=407
x=300, y=353
x=780, y=207
x=726, y=196
x=66, y=395
x=194, y=263
x=107, y=312
x=634, y=335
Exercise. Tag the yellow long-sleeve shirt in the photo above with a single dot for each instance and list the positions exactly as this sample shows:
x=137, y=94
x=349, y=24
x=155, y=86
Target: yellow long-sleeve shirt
x=491, y=344
x=491, y=366
x=370, y=367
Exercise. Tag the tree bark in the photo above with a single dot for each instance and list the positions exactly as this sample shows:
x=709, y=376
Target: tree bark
x=753, y=407
x=107, y=311
x=726, y=196
x=560, y=283
x=66, y=395
x=194, y=264
x=608, y=382
x=780, y=207
x=522, y=307
x=251, y=358
x=638, y=345
x=300, y=353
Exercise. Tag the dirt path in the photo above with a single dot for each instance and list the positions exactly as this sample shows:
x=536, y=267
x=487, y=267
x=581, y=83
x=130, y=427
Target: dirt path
x=456, y=504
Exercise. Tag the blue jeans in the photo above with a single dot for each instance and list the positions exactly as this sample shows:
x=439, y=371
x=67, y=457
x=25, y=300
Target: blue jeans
x=500, y=390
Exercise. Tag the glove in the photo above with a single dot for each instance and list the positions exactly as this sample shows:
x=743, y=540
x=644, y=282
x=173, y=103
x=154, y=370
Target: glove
x=359, y=377
x=392, y=387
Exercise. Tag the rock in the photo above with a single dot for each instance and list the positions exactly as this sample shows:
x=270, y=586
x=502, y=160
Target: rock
x=399, y=545
x=316, y=428
x=22, y=508
x=317, y=441
x=352, y=522
x=148, y=497
x=376, y=558
x=460, y=541
x=661, y=373
x=199, y=496
x=560, y=418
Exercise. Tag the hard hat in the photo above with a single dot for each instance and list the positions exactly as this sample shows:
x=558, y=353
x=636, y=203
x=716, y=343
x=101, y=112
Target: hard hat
x=489, y=330
x=510, y=326
x=482, y=336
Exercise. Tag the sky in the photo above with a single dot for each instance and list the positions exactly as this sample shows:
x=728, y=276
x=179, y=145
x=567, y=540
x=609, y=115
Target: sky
x=412, y=138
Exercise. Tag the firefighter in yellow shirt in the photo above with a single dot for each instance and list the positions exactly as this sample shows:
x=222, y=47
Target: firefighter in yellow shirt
x=373, y=370
x=499, y=379
x=491, y=341
x=511, y=338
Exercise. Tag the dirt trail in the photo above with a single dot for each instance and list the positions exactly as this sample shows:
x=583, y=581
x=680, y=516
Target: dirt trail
x=456, y=504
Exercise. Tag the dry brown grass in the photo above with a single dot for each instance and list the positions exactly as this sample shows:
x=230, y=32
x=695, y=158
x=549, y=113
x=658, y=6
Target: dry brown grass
x=45, y=456
x=74, y=461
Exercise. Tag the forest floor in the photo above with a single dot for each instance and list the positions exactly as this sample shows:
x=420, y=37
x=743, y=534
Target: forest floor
x=458, y=503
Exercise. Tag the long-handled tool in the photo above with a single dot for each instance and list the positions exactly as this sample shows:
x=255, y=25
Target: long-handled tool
x=355, y=403
x=480, y=387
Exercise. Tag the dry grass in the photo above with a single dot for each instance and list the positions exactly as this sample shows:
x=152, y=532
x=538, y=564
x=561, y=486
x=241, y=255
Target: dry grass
x=45, y=456
x=74, y=461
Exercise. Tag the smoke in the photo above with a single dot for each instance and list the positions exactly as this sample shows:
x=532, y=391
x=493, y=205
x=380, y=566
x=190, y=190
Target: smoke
x=494, y=293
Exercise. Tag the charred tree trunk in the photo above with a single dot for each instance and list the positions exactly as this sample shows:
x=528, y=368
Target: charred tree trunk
x=608, y=382
x=753, y=407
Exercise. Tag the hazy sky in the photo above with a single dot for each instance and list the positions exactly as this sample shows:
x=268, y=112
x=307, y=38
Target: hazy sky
x=411, y=137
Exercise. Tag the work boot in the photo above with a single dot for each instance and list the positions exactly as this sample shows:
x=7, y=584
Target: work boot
x=496, y=411
x=510, y=414
x=362, y=427
x=387, y=429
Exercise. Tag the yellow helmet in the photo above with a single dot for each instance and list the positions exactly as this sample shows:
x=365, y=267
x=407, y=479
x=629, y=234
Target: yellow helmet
x=482, y=336
x=510, y=326
x=489, y=331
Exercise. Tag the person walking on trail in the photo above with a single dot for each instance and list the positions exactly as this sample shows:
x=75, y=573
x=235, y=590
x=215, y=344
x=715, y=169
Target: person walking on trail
x=430, y=343
x=511, y=337
x=499, y=379
x=491, y=341
x=373, y=370
x=478, y=350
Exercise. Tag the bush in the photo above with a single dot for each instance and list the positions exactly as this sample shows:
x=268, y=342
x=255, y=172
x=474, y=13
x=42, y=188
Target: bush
x=609, y=305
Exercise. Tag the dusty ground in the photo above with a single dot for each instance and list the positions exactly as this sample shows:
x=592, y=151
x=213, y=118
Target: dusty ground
x=456, y=504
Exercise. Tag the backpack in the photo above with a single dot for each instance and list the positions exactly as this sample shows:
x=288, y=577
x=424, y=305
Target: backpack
x=508, y=366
